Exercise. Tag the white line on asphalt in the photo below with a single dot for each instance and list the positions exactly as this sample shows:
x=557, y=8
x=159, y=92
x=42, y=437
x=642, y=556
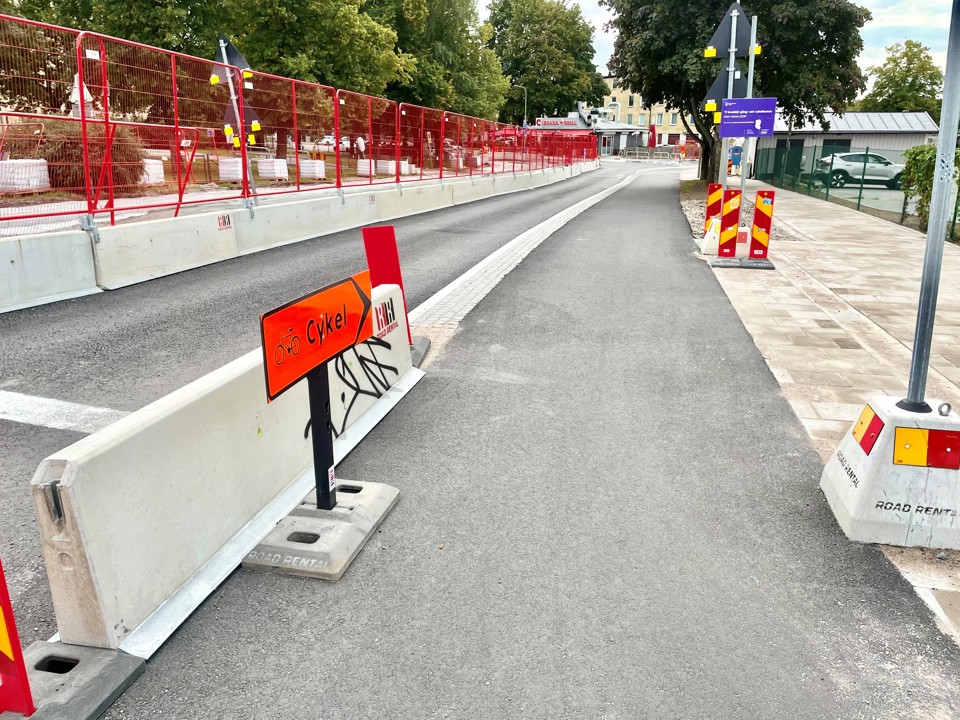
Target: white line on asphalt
x=445, y=308
x=58, y=414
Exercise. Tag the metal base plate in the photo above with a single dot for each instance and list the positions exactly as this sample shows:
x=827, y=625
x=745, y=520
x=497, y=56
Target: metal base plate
x=323, y=543
x=418, y=351
x=74, y=682
x=727, y=263
x=757, y=264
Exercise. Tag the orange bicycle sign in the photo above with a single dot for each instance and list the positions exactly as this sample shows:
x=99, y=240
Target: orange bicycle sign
x=303, y=334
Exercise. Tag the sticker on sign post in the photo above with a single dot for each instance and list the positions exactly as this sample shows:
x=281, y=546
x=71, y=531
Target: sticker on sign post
x=332, y=479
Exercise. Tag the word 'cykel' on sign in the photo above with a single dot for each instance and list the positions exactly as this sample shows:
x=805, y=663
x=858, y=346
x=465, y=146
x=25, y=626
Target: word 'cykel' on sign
x=303, y=334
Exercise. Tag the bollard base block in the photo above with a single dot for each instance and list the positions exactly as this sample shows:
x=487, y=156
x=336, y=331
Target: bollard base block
x=710, y=244
x=727, y=262
x=895, y=478
x=322, y=543
x=418, y=351
x=758, y=264
x=75, y=682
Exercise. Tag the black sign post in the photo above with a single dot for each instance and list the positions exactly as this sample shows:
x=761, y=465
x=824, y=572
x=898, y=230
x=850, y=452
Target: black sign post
x=318, y=385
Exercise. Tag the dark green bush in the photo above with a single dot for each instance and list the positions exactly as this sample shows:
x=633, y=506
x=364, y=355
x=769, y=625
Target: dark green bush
x=61, y=145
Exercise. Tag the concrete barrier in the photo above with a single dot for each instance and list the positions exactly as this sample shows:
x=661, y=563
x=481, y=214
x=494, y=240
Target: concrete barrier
x=40, y=269
x=141, y=520
x=136, y=252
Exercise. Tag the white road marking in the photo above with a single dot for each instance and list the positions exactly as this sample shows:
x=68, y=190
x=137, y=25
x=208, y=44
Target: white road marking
x=437, y=316
x=57, y=414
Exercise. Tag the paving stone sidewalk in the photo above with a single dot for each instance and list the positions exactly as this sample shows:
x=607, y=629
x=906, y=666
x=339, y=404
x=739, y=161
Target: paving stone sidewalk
x=835, y=323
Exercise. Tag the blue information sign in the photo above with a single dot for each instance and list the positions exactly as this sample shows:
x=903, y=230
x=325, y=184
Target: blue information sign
x=747, y=117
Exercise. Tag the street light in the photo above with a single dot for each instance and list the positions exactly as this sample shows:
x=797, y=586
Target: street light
x=523, y=87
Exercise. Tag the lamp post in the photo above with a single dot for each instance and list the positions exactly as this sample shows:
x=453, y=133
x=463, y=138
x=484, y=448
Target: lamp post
x=524, y=88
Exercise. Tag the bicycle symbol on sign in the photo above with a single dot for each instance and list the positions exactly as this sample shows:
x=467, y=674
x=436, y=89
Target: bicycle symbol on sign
x=289, y=343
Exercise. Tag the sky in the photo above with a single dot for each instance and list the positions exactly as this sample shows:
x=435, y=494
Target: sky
x=893, y=21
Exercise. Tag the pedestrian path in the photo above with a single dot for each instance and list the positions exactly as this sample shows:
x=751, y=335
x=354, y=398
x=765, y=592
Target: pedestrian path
x=835, y=323
x=607, y=510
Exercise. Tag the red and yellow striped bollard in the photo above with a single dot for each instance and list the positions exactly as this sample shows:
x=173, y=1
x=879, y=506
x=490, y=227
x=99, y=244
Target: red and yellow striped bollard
x=762, y=225
x=14, y=687
x=714, y=204
x=728, y=224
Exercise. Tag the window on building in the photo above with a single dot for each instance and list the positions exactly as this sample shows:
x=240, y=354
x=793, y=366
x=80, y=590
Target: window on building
x=629, y=118
x=659, y=118
x=630, y=101
x=613, y=98
x=674, y=119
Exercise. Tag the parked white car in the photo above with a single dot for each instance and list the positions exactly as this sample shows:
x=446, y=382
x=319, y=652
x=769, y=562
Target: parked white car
x=840, y=168
x=330, y=141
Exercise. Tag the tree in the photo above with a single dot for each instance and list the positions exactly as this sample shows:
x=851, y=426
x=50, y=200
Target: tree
x=187, y=26
x=908, y=81
x=455, y=70
x=547, y=47
x=808, y=61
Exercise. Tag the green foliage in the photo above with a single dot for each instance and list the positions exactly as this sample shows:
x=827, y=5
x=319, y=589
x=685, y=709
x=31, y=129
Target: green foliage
x=808, y=61
x=455, y=70
x=908, y=81
x=920, y=162
x=547, y=47
x=187, y=26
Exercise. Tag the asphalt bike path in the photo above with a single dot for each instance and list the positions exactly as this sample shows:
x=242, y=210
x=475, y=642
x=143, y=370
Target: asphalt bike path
x=126, y=348
x=607, y=510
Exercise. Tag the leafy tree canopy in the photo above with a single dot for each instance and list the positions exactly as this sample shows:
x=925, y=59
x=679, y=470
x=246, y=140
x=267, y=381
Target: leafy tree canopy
x=808, y=60
x=908, y=81
x=547, y=47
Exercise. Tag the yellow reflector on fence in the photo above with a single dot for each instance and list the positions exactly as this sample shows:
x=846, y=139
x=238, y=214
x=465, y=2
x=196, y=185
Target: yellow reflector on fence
x=251, y=140
x=227, y=130
x=716, y=118
x=710, y=52
x=756, y=50
x=214, y=79
x=255, y=126
x=236, y=141
x=711, y=106
x=247, y=74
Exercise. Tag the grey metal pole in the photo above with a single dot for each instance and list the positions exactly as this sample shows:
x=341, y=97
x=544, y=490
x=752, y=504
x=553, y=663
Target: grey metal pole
x=936, y=230
x=746, y=141
x=240, y=130
x=731, y=69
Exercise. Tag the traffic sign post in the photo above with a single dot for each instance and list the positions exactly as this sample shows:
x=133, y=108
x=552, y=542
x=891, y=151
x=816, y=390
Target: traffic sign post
x=895, y=477
x=298, y=339
x=320, y=538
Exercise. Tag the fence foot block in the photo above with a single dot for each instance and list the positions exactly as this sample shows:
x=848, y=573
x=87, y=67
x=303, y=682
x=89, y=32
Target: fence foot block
x=76, y=682
x=727, y=263
x=322, y=543
x=758, y=264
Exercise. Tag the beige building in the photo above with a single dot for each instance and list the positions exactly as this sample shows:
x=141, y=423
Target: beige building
x=624, y=106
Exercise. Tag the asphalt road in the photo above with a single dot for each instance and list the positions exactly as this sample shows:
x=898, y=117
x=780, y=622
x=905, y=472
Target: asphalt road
x=125, y=348
x=607, y=510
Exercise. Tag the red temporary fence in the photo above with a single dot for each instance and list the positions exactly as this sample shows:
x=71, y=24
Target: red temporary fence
x=112, y=129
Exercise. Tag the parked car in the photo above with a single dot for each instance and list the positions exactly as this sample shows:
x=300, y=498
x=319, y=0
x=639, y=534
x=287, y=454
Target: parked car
x=329, y=141
x=840, y=168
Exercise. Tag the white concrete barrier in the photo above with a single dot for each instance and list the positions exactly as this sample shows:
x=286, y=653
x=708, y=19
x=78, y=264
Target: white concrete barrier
x=141, y=520
x=40, y=269
x=135, y=252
